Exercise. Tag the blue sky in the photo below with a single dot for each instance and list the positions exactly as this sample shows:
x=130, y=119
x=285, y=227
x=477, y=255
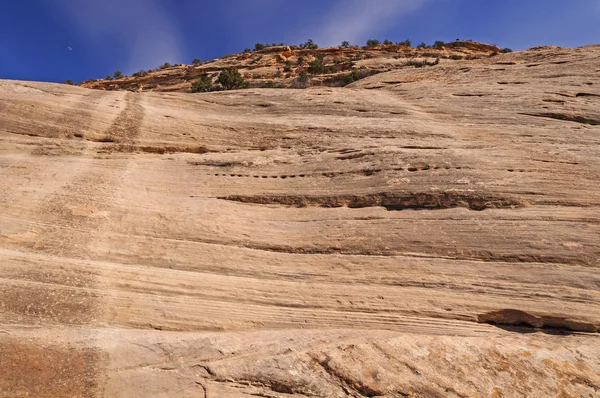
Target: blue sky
x=54, y=40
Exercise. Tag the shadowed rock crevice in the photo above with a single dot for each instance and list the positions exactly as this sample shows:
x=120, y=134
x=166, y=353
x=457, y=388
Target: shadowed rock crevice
x=518, y=318
x=390, y=201
x=593, y=121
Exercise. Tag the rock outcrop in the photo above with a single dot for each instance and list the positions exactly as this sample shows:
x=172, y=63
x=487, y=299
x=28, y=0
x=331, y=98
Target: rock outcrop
x=269, y=66
x=427, y=232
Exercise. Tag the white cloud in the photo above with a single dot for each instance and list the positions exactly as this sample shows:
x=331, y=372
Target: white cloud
x=140, y=26
x=353, y=20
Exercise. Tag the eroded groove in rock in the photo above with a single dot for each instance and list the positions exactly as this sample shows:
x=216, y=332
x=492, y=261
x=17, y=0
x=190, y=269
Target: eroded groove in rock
x=587, y=95
x=512, y=317
x=126, y=126
x=390, y=201
x=566, y=117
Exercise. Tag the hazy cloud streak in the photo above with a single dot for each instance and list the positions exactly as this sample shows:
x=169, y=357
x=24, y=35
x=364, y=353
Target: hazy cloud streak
x=140, y=26
x=352, y=20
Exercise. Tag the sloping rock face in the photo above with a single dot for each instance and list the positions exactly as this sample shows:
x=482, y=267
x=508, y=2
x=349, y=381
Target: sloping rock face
x=423, y=233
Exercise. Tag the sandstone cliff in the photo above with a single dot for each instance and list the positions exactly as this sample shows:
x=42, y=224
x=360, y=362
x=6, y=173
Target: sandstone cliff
x=426, y=232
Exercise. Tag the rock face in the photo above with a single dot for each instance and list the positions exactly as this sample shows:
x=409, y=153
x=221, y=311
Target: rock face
x=425, y=232
x=279, y=66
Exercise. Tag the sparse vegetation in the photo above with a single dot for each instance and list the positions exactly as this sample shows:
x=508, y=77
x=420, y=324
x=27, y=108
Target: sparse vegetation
x=352, y=77
x=69, y=82
x=302, y=81
x=309, y=45
x=231, y=79
x=288, y=66
x=257, y=59
x=422, y=63
x=317, y=67
x=340, y=70
x=203, y=84
x=140, y=73
x=268, y=84
x=108, y=78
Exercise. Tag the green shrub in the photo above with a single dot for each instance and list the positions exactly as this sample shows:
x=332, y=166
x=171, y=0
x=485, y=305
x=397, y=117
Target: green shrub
x=278, y=74
x=259, y=47
x=494, y=54
x=300, y=61
x=108, y=78
x=373, y=43
x=268, y=84
x=202, y=84
x=309, y=45
x=196, y=62
x=405, y=43
x=422, y=64
x=118, y=75
x=352, y=77
x=345, y=44
x=288, y=66
x=456, y=57
x=506, y=50
x=69, y=82
x=422, y=45
x=247, y=50
x=140, y=73
x=386, y=42
x=438, y=44
x=230, y=79
x=165, y=65
x=317, y=67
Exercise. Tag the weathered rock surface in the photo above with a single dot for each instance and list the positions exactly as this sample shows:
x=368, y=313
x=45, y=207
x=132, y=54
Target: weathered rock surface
x=426, y=233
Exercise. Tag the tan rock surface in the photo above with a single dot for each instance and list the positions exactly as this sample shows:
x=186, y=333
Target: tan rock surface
x=325, y=242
